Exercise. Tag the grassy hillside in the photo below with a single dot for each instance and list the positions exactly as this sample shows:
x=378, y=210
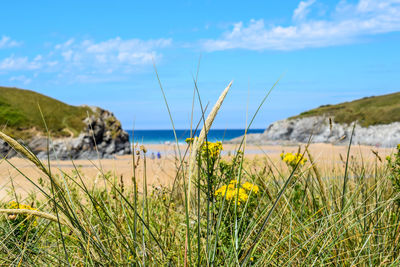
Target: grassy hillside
x=373, y=110
x=20, y=115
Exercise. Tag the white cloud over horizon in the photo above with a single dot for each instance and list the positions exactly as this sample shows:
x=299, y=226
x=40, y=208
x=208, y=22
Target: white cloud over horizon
x=346, y=24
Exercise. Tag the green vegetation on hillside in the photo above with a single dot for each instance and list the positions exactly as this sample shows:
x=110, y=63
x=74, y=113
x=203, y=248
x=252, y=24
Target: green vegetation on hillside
x=20, y=115
x=373, y=110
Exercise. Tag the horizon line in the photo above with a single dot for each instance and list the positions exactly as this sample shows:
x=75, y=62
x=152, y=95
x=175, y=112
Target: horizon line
x=170, y=129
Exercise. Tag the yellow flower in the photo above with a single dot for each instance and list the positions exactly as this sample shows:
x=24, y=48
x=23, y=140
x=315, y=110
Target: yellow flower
x=15, y=205
x=251, y=187
x=293, y=159
x=221, y=190
x=230, y=192
x=189, y=140
x=211, y=150
x=243, y=196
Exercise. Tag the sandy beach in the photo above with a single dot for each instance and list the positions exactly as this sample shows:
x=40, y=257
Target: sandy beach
x=162, y=171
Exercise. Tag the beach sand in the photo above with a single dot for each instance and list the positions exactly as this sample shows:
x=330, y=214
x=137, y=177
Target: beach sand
x=162, y=171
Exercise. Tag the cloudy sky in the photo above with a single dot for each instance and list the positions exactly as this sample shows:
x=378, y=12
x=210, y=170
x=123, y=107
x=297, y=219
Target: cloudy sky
x=101, y=53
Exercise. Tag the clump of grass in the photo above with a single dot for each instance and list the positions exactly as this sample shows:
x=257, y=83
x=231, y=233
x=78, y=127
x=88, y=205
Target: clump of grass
x=234, y=213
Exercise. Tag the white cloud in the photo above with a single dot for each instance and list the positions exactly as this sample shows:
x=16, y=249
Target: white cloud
x=66, y=44
x=88, y=59
x=13, y=63
x=20, y=79
x=110, y=55
x=374, y=5
x=67, y=55
x=16, y=63
x=347, y=24
x=302, y=9
x=6, y=42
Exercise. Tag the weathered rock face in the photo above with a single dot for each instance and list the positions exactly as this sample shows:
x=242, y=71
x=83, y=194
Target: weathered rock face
x=322, y=131
x=102, y=137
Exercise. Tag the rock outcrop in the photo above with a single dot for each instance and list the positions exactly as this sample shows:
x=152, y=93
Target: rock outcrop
x=102, y=137
x=324, y=130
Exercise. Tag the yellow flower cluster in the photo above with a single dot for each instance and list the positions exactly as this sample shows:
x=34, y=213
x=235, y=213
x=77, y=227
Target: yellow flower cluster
x=15, y=205
x=293, y=159
x=211, y=150
x=208, y=149
x=233, y=189
x=251, y=187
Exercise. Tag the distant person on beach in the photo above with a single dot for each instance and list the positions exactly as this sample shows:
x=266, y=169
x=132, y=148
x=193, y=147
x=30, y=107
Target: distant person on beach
x=159, y=155
x=152, y=155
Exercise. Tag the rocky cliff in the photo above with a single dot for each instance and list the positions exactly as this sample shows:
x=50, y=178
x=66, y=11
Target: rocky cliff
x=102, y=137
x=323, y=129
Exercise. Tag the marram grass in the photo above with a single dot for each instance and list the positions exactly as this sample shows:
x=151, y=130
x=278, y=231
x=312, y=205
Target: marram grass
x=233, y=218
x=306, y=228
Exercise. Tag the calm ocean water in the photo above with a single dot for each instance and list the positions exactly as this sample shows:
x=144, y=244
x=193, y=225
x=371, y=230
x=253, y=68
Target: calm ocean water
x=163, y=136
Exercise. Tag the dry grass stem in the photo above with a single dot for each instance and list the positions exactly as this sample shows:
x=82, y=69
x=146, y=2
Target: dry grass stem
x=37, y=213
x=197, y=142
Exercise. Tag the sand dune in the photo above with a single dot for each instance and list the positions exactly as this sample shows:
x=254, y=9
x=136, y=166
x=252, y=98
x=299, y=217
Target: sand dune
x=162, y=171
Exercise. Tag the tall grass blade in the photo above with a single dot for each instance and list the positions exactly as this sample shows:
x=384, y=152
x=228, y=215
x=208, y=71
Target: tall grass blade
x=345, y=178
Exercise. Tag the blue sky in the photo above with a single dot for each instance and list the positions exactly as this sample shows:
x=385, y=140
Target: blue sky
x=100, y=53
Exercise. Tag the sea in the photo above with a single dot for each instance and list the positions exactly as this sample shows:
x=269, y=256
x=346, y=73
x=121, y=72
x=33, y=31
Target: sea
x=167, y=136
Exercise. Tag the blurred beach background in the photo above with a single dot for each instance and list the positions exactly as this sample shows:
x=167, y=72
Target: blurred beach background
x=168, y=136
